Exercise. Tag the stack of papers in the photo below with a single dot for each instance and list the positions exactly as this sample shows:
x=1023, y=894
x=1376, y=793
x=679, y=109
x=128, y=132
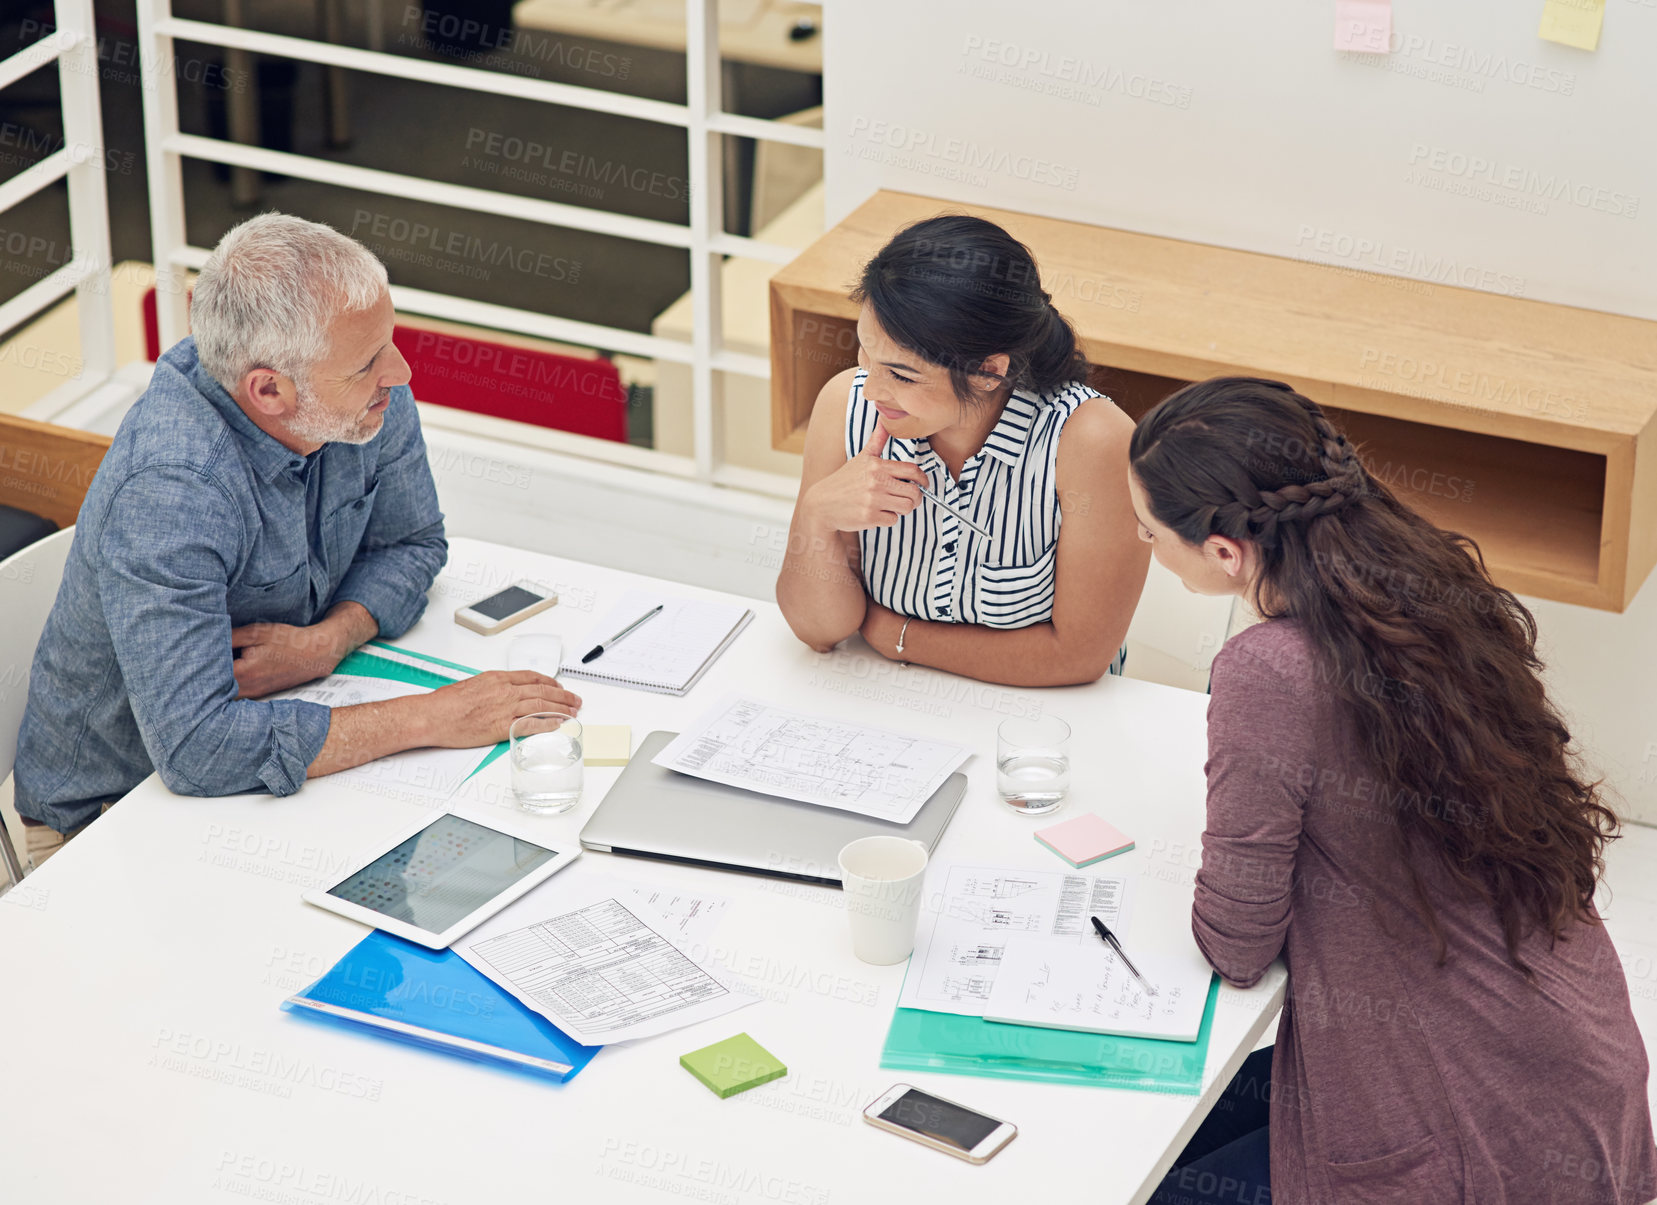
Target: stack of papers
x=981, y=908
x=1018, y=946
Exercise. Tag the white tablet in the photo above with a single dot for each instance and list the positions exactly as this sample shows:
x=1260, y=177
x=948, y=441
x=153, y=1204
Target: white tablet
x=442, y=876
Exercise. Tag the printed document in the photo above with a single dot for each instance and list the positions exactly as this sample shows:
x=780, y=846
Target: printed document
x=814, y=759
x=598, y=961
x=966, y=924
x=691, y=919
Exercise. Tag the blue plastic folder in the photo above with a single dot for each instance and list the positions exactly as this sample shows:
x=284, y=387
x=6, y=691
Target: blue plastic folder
x=435, y=999
x=928, y=1041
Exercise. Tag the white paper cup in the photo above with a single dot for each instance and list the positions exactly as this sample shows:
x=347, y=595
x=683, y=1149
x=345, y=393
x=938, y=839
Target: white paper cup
x=882, y=881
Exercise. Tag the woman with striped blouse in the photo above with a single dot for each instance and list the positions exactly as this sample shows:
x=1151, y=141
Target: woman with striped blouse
x=967, y=379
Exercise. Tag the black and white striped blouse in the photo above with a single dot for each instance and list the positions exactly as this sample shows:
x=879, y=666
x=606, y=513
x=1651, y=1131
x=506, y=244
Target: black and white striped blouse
x=929, y=565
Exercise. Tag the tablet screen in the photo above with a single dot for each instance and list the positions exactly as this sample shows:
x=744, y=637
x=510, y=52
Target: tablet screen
x=442, y=874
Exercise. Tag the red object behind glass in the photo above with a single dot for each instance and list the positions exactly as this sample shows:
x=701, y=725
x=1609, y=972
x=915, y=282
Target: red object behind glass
x=566, y=393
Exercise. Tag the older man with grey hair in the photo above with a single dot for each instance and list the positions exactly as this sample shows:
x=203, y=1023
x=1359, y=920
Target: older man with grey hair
x=266, y=507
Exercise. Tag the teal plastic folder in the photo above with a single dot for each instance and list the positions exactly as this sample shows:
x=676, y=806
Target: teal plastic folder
x=364, y=664
x=436, y=999
x=928, y=1041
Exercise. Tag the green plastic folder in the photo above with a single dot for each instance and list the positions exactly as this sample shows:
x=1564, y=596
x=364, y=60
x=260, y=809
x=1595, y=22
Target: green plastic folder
x=928, y=1041
x=364, y=664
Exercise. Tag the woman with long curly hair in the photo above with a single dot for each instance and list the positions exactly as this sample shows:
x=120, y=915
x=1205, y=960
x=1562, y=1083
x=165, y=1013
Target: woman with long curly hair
x=1395, y=808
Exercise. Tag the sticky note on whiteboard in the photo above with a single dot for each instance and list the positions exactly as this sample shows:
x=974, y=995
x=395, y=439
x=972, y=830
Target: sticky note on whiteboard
x=1363, y=26
x=1573, y=22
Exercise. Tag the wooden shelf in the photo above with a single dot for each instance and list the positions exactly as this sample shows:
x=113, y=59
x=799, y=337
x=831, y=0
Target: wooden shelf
x=1546, y=411
x=46, y=469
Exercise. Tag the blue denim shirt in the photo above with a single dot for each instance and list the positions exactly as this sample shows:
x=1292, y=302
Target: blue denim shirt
x=198, y=522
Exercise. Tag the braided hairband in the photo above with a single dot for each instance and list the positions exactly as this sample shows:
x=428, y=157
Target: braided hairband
x=1345, y=482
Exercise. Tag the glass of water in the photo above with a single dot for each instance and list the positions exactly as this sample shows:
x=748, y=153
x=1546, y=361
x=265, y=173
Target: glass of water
x=1032, y=764
x=546, y=762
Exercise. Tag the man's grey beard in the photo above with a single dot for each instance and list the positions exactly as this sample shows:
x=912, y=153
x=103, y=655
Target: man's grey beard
x=315, y=423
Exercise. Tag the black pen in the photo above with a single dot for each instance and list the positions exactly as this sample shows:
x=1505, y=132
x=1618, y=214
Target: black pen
x=598, y=649
x=1109, y=939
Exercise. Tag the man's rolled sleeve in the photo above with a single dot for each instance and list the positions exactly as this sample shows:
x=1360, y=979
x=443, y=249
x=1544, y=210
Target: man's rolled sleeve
x=170, y=538
x=403, y=546
x=298, y=731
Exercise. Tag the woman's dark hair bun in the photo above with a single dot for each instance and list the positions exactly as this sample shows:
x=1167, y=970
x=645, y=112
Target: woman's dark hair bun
x=956, y=290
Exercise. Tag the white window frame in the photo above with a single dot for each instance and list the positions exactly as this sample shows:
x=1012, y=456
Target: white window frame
x=80, y=161
x=704, y=237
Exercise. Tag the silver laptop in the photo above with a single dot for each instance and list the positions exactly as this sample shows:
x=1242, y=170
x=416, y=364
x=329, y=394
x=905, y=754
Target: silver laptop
x=653, y=812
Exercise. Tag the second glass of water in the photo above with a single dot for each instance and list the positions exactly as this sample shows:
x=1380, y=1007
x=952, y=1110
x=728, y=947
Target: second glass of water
x=546, y=757
x=1032, y=764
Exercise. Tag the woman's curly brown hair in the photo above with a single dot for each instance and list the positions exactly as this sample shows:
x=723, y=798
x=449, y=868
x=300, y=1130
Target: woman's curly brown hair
x=1464, y=737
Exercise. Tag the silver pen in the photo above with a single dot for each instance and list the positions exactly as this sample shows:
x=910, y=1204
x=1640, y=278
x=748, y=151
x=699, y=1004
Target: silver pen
x=942, y=505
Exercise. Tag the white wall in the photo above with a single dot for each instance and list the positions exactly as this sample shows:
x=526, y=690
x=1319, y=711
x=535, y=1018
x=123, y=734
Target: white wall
x=1602, y=673
x=1474, y=154
x=1239, y=125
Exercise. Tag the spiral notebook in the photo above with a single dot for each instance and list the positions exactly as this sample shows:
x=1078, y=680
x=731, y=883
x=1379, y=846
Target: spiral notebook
x=669, y=654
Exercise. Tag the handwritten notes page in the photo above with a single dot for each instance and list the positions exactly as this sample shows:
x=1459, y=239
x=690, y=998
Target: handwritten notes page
x=1055, y=983
x=814, y=759
x=980, y=909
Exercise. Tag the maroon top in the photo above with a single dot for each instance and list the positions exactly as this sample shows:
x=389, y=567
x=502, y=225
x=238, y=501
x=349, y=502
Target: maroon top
x=1393, y=1079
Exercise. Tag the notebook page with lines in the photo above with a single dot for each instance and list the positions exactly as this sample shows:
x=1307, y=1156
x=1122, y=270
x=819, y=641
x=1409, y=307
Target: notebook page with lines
x=668, y=654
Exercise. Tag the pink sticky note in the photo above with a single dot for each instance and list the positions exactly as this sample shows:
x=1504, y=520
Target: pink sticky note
x=1084, y=840
x=1363, y=26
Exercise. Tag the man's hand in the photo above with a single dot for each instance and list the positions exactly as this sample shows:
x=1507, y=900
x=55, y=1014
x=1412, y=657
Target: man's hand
x=274, y=656
x=462, y=715
x=479, y=710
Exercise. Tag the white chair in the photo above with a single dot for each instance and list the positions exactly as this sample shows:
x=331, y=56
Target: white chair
x=1175, y=633
x=28, y=586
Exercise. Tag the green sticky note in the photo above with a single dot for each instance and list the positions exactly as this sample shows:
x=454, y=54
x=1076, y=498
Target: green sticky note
x=733, y=1066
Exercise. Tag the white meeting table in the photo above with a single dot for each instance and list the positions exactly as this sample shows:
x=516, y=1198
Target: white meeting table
x=147, y=1058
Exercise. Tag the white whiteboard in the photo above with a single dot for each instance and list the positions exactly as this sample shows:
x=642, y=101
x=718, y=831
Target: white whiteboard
x=1474, y=154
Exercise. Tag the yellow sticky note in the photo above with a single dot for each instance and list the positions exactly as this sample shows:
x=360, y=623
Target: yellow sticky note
x=1573, y=22
x=606, y=744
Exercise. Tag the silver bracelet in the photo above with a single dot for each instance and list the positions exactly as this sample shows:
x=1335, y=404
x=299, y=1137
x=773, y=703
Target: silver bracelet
x=903, y=631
